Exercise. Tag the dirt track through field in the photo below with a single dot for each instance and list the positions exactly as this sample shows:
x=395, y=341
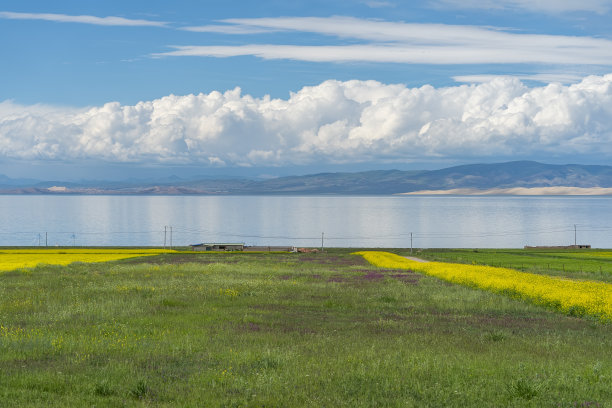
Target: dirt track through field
x=416, y=259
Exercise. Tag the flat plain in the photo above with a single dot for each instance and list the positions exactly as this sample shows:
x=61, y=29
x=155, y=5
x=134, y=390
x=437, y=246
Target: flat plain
x=320, y=329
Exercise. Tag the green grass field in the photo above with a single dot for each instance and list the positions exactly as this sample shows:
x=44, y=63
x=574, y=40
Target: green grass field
x=576, y=264
x=289, y=330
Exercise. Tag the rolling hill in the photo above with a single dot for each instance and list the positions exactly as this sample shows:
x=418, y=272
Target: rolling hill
x=474, y=177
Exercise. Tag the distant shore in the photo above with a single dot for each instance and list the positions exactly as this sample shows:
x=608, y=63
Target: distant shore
x=520, y=191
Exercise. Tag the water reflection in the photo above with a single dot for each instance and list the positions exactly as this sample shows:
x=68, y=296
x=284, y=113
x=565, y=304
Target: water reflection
x=381, y=221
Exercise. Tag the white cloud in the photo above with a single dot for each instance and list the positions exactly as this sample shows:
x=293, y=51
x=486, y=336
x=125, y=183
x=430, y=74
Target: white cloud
x=227, y=29
x=332, y=122
x=364, y=29
x=405, y=43
x=564, y=78
x=548, y=6
x=83, y=19
x=417, y=54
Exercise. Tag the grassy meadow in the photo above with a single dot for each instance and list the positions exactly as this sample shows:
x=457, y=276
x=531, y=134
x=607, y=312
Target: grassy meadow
x=577, y=264
x=570, y=296
x=290, y=330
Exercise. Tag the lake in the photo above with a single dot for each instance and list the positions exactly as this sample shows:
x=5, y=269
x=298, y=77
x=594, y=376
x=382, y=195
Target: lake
x=344, y=221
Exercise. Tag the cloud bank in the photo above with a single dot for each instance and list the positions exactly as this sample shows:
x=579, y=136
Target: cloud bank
x=333, y=122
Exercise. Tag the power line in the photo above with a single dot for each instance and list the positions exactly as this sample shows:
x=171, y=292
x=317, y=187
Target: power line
x=439, y=235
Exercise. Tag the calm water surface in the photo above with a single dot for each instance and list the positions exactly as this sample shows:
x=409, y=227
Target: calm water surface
x=379, y=221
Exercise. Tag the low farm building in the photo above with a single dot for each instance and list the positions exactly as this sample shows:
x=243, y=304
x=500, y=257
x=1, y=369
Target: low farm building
x=241, y=247
x=578, y=246
x=217, y=247
x=270, y=249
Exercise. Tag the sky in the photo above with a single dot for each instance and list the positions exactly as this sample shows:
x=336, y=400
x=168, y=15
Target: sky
x=115, y=89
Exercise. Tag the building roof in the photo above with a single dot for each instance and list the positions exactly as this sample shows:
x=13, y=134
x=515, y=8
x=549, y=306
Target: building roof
x=217, y=243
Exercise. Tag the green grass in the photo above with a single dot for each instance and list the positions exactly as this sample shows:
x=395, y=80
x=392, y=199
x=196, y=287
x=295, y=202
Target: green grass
x=280, y=330
x=577, y=264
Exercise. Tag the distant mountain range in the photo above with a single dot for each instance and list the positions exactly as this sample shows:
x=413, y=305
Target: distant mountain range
x=510, y=176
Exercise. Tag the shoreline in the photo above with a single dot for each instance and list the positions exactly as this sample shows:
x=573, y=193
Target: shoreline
x=520, y=191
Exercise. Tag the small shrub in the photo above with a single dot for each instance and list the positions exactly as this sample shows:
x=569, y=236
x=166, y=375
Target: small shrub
x=103, y=389
x=172, y=303
x=523, y=388
x=141, y=390
x=494, y=335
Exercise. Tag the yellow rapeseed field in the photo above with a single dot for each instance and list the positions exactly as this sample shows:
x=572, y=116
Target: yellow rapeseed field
x=11, y=259
x=569, y=296
x=586, y=255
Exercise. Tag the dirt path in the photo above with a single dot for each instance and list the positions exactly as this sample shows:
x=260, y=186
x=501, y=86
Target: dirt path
x=416, y=259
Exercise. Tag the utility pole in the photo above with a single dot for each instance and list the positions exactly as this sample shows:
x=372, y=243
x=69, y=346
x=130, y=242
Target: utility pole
x=165, y=230
x=574, y=234
x=411, y=243
x=39, y=239
x=171, y=237
x=46, y=241
x=322, y=236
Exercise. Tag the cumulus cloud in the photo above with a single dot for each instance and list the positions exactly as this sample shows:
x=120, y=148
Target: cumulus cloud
x=332, y=122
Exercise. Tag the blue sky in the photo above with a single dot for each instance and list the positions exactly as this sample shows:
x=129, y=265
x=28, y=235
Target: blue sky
x=242, y=87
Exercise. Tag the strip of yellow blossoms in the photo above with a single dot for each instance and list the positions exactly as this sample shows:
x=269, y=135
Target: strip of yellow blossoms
x=569, y=296
x=11, y=259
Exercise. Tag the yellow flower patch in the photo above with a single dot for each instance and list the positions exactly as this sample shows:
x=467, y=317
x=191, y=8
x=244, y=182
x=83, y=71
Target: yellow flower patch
x=228, y=292
x=569, y=296
x=11, y=259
